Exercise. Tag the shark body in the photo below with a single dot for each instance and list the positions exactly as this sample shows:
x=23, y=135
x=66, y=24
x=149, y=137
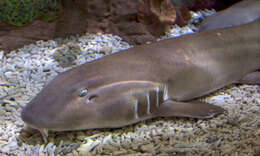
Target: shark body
x=157, y=80
x=240, y=13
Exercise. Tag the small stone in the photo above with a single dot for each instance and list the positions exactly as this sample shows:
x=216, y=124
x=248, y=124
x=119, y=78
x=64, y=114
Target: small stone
x=75, y=153
x=81, y=136
x=211, y=139
x=9, y=74
x=85, y=148
x=121, y=152
x=1, y=55
x=147, y=148
x=42, y=154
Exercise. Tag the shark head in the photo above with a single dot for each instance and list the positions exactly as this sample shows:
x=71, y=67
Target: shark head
x=73, y=104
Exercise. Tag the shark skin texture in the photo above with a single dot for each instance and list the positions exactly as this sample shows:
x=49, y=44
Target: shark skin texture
x=163, y=79
x=240, y=13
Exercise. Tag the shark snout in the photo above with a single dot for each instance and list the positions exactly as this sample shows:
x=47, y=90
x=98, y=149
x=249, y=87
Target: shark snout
x=34, y=116
x=27, y=117
x=31, y=122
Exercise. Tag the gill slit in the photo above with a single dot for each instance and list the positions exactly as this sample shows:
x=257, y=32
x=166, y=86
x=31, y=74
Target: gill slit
x=157, y=97
x=148, y=104
x=136, y=110
x=165, y=93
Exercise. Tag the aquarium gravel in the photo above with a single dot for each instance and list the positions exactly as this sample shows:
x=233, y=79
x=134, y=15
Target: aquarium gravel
x=25, y=71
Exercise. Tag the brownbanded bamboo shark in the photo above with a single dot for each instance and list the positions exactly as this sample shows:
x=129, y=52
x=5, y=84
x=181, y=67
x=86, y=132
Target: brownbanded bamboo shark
x=240, y=13
x=157, y=80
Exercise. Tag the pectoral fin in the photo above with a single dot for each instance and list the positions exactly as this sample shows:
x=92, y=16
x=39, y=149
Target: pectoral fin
x=251, y=78
x=193, y=109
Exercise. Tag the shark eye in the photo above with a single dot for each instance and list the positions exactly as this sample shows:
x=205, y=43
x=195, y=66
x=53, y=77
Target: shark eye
x=82, y=92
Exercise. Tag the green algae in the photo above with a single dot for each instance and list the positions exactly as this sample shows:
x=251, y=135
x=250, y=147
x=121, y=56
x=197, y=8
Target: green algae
x=23, y=12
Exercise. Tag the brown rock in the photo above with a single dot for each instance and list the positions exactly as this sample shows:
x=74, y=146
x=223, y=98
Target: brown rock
x=136, y=21
x=119, y=17
x=12, y=37
x=74, y=18
x=158, y=15
x=156, y=19
x=73, y=21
